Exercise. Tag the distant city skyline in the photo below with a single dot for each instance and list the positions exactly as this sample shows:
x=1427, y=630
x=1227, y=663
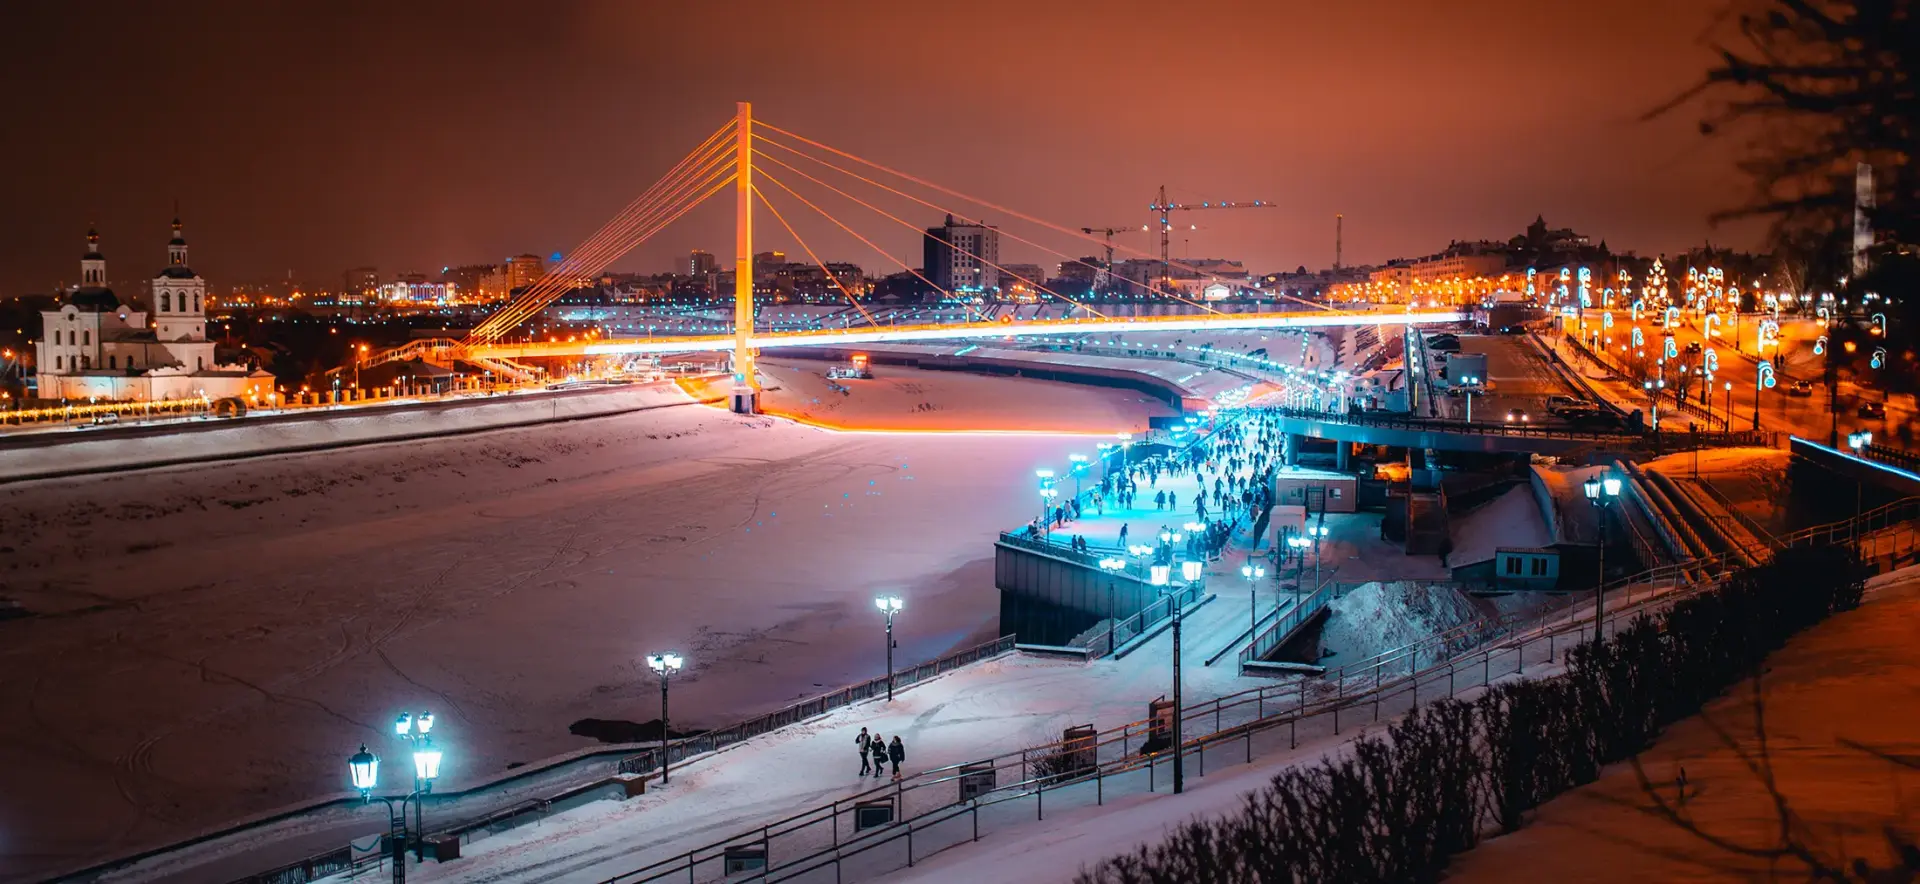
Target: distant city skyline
x=476, y=139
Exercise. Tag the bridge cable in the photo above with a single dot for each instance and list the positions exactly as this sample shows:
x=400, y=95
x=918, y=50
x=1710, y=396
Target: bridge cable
x=622, y=222
x=815, y=258
x=998, y=208
x=1149, y=288
x=882, y=252
x=613, y=239
x=910, y=225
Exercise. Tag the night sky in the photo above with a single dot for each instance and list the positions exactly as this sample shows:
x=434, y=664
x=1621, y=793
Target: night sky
x=311, y=137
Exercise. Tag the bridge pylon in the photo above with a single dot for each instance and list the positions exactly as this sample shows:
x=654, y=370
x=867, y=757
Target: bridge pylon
x=745, y=398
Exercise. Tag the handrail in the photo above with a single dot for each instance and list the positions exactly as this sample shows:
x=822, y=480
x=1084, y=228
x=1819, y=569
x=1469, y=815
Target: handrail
x=1270, y=638
x=1495, y=635
x=715, y=740
x=1668, y=438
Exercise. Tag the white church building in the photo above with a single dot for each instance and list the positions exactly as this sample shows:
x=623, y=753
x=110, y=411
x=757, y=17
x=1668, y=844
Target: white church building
x=98, y=346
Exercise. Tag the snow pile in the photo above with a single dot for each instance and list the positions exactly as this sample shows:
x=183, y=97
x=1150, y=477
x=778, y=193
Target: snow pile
x=1379, y=617
x=1510, y=520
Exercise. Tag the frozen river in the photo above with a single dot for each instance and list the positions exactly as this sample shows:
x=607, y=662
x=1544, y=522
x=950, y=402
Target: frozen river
x=212, y=642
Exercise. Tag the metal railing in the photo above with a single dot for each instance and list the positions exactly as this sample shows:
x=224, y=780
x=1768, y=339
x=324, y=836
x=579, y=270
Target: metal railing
x=1898, y=457
x=1150, y=616
x=710, y=741
x=1271, y=638
x=1666, y=440
x=312, y=868
x=923, y=802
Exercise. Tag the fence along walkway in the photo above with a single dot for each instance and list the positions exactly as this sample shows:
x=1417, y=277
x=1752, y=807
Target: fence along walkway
x=715, y=740
x=931, y=814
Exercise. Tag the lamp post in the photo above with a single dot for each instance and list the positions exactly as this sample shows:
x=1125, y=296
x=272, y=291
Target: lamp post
x=426, y=763
x=1602, y=490
x=1858, y=442
x=1126, y=445
x=889, y=605
x=1111, y=565
x=664, y=665
x=1728, y=420
x=1191, y=572
x=1047, y=494
x=1316, y=532
x=1078, y=469
x=363, y=768
x=1253, y=573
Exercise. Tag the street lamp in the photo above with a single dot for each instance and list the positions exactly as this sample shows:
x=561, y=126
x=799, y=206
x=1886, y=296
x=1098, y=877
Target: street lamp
x=1602, y=490
x=1047, y=494
x=1253, y=573
x=1857, y=442
x=889, y=605
x=664, y=665
x=1190, y=571
x=1111, y=565
x=363, y=769
x=1077, y=469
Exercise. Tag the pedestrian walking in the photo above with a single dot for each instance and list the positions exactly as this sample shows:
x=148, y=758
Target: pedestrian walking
x=1123, y=535
x=866, y=765
x=896, y=753
x=879, y=751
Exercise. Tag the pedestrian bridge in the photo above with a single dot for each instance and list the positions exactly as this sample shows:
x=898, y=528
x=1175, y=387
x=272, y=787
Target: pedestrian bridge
x=1491, y=438
x=442, y=350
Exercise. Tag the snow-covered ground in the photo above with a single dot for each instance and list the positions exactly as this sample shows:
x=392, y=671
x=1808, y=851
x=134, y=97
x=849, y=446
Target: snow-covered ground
x=1844, y=686
x=213, y=641
x=1851, y=679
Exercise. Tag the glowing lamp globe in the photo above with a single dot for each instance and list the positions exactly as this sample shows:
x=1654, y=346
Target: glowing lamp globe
x=364, y=768
x=426, y=764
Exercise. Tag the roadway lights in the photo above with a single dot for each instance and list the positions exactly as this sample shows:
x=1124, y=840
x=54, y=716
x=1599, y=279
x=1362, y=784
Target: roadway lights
x=889, y=605
x=664, y=665
x=1602, y=490
x=364, y=768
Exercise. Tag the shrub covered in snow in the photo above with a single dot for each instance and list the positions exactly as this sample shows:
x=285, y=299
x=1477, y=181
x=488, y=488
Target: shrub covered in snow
x=1398, y=808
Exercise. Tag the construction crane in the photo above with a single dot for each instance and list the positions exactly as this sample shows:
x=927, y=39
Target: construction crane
x=1164, y=207
x=1101, y=278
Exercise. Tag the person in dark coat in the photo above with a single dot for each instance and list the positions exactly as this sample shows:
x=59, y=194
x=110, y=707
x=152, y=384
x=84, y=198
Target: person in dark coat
x=879, y=745
x=896, y=753
x=866, y=763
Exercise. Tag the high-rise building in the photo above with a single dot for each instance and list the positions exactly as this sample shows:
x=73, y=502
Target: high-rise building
x=961, y=257
x=701, y=263
x=525, y=270
x=360, y=284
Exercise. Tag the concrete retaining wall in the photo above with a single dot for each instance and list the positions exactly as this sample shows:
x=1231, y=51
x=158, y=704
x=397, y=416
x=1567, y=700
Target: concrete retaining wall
x=59, y=453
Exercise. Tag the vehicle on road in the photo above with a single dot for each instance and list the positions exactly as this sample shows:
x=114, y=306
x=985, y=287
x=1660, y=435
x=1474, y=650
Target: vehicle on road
x=1872, y=411
x=1518, y=416
x=856, y=369
x=107, y=417
x=1803, y=389
x=1693, y=348
x=1557, y=404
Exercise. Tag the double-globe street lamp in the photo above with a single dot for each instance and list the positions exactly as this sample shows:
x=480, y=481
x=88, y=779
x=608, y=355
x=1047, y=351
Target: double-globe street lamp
x=1047, y=494
x=664, y=665
x=1602, y=490
x=1190, y=572
x=1858, y=442
x=1253, y=573
x=889, y=605
x=363, y=768
x=1112, y=565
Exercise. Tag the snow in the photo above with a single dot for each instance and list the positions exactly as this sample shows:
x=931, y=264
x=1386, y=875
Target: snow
x=213, y=640
x=1816, y=696
x=1510, y=520
x=1378, y=617
x=1845, y=683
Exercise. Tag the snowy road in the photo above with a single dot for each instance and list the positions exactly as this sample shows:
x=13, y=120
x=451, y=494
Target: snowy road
x=213, y=641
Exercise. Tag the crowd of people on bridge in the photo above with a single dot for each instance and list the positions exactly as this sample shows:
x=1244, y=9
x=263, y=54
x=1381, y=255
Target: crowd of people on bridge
x=1232, y=469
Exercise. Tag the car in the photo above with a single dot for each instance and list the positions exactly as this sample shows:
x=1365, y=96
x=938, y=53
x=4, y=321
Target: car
x=1693, y=348
x=1872, y=411
x=1518, y=416
x=1513, y=329
x=107, y=417
x=1802, y=389
x=1557, y=404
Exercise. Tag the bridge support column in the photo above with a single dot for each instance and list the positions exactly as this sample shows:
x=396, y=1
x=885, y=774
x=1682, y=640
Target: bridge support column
x=1294, y=442
x=1342, y=456
x=746, y=384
